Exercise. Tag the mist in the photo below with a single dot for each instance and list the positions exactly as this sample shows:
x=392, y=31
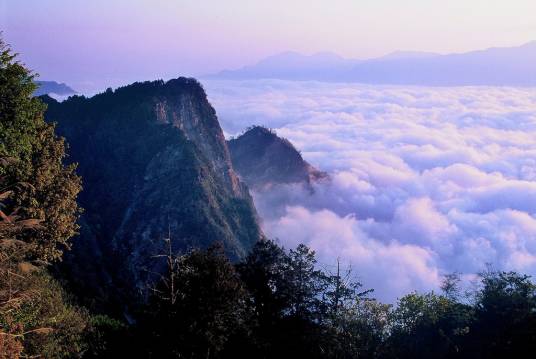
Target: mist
x=424, y=181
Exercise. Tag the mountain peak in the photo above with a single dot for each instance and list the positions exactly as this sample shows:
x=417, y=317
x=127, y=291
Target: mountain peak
x=159, y=149
x=259, y=131
x=53, y=88
x=263, y=159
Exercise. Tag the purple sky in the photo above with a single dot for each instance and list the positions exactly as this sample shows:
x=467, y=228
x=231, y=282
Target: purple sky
x=99, y=43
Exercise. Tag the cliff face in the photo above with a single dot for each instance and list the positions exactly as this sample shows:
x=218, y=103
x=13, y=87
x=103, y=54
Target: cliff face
x=263, y=159
x=192, y=114
x=154, y=161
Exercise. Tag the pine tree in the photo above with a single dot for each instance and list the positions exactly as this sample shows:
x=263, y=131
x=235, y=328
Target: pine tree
x=38, y=213
x=198, y=306
x=36, y=183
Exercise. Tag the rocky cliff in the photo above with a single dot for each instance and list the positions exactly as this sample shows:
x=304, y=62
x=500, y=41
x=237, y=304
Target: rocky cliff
x=154, y=161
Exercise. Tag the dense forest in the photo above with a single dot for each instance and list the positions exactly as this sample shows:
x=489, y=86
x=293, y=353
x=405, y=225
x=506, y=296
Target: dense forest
x=273, y=302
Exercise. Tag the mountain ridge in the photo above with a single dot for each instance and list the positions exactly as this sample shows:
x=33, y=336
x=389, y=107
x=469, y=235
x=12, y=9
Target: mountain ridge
x=155, y=164
x=501, y=66
x=53, y=87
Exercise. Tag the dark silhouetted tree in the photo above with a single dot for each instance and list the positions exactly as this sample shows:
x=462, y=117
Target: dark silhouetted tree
x=205, y=310
x=505, y=317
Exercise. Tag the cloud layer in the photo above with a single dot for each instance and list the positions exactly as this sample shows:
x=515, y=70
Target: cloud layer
x=425, y=181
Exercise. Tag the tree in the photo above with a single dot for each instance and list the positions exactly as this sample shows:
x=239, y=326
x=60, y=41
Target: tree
x=299, y=309
x=353, y=324
x=263, y=273
x=207, y=309
x=14, y=288
x=36, y=318
x=304, y=284
x=427, y=326
x=342, y=291
x=38, y=213
x=359, y=332
x=505, y=317
x=451, y=286
x=41, y=187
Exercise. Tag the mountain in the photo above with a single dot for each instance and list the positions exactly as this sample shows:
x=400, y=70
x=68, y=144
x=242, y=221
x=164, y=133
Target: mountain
x=514, y=66
x=154, y=164
x=397, y=55
x=53, y=87
x=508, y=66
x=262, y=159
x=293, y=66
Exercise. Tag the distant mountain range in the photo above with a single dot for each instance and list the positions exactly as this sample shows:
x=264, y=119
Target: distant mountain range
x=53, y=87
x=508, y=66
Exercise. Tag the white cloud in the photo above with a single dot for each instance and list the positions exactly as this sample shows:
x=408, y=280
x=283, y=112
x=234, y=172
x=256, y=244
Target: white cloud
x=424, y=180
x=388, y=267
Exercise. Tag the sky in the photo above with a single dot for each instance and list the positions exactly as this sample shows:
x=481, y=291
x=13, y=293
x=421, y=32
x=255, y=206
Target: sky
x=99, y=43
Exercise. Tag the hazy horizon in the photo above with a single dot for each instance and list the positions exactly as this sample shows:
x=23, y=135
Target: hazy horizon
x=188, y=38
x=94, y=88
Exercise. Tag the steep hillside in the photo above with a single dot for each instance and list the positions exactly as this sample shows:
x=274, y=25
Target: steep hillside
x=261, y=158
x=153, y=160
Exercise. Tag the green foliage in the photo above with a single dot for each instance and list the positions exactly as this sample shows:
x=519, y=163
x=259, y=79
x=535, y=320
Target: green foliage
x=35, y=312
x=298, y=309
x=107, y=337
x=54, y=328
x=18, y=109
x=41, y=187
x=426, y=326
x=360, y=330
x=38, y=213
x=283, y=306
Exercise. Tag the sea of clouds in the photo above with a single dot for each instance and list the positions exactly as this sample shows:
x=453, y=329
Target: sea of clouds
x=424, y=181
